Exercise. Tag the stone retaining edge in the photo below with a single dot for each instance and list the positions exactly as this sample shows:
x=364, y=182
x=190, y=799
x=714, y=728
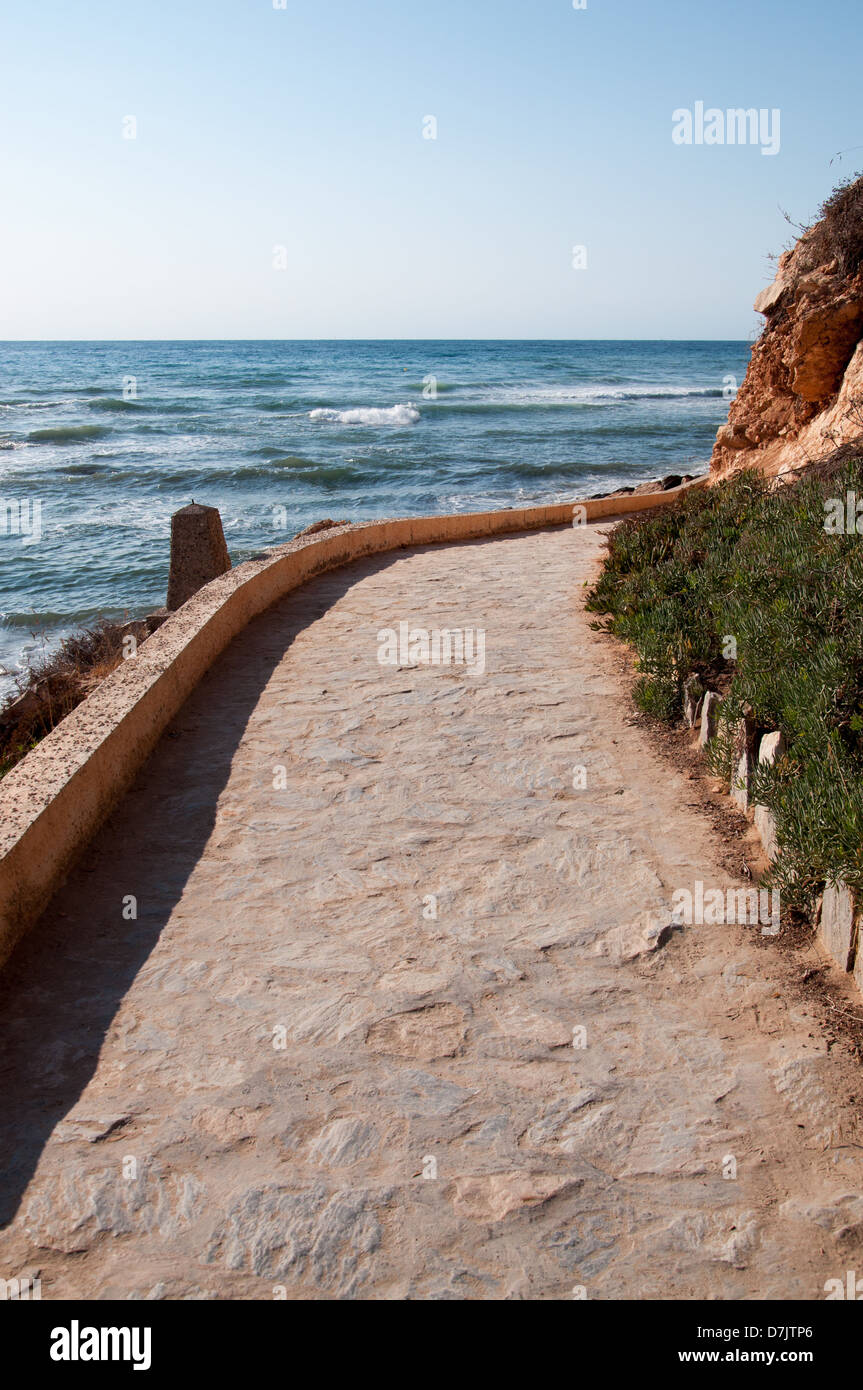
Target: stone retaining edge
x=55, y=799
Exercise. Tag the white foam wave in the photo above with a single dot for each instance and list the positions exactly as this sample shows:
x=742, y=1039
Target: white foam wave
x=599, y=391
x=370, y=415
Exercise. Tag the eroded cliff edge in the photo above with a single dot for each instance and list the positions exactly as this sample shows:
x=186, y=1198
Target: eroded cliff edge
x=802, y=396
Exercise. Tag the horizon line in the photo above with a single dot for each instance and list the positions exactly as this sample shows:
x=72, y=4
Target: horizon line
x=46, y=341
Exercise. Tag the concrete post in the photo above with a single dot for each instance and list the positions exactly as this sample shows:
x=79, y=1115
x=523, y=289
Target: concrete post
x=198, y=552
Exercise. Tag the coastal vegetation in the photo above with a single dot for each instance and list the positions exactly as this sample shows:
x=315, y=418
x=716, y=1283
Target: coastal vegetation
x=54, y=685
x=838, y=234
x=756, y=587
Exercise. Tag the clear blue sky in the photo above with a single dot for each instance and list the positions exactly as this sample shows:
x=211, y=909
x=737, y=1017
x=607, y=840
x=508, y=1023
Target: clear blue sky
x=302, y=127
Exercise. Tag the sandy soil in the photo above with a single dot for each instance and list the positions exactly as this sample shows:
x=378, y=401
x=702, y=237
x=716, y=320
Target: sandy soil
x=334, y=1052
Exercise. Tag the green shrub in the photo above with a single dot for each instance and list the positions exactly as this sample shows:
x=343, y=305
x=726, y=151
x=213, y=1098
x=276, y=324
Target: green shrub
x=751, y=562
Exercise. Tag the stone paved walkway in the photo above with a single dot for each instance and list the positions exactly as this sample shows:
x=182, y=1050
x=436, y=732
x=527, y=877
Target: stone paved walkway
x=334, y=1051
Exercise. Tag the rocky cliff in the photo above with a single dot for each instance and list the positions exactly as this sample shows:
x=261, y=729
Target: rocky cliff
x=803, y=393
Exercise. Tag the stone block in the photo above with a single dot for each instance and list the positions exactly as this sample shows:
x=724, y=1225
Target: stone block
x=709, y=715
x=744, y=738
x=772, y=746
x=766, y=827
x=740, y=781
x=858, y=966
x=198, y=552
x=836, y=928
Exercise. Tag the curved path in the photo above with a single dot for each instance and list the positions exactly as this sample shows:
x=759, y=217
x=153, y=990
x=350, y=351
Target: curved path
x=332, y=1054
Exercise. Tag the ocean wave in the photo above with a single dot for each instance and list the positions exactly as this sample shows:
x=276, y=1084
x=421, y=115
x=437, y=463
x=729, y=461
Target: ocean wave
x=35, y=622
x=605, y=391
x=38, y=405
x=333, y=474
x=657, y=393
x=398, y=415
x=496, y=468
x=557, y=401
x=42, y=623
x=232, y=383
x=68, y=434
x=84, y=470
x=300, y=469
x=443, y=388
x=663, y=429
x=288, y=461
x=272, y=406
x=35, y=391
x=586, y=433
x=115, y=403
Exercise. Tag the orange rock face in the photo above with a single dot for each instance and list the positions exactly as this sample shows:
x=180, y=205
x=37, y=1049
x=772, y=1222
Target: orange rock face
x=803, y=392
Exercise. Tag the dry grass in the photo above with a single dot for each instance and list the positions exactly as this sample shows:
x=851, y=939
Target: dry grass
x=838, y=234
x=54, y=686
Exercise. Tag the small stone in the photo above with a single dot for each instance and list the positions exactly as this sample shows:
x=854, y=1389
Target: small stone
x=418, y=1094
x=693, y=692
x=494, y=1197
x=766, y=827
x=740, y=783
x=709, y=716
x=836, y=925
x=344, y=1142
x=635, y=939
x=655, y=486
x=744, y=738
x=772, y=747
x=435, y=1031
x=154, y=620
x=768, y=299
x=326, y=525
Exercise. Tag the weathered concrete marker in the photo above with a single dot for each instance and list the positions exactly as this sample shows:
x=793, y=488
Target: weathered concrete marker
x=198, y=552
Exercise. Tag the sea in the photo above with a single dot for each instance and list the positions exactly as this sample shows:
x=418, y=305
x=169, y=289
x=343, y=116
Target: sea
x=100, y=442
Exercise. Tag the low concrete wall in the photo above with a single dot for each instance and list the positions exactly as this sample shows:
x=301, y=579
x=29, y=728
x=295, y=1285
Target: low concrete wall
x=54, y=800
